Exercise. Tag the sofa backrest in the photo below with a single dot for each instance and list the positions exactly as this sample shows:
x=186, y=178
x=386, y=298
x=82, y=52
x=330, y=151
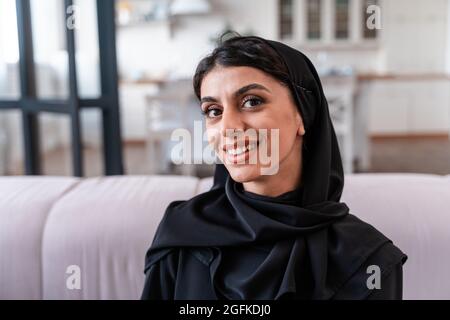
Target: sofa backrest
x=25, y=203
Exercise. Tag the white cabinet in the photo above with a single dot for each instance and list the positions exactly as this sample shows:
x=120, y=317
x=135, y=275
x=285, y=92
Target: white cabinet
x=430, y=107
x=403, y=107
x=387, y=106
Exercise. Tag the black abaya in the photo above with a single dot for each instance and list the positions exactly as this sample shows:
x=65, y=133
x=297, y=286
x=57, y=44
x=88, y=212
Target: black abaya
x=192, y=281
x=229, y=243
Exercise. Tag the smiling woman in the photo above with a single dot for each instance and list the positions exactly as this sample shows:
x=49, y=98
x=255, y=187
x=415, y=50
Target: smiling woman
x=236, y=99
x=245, y=87
x=268, y=236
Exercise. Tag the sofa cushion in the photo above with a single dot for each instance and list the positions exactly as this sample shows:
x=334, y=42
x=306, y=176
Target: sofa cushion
x=25, y=202
x=105, y=227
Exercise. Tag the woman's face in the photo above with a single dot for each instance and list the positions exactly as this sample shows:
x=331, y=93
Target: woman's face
x=243, y=98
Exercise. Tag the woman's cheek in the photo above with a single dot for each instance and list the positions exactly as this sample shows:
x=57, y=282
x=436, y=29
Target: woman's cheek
x=213, y=138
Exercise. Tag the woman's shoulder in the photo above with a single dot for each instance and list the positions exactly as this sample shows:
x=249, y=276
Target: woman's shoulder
x=357, y=233
x=384, y=250
x=379, y=276
x=378, y=257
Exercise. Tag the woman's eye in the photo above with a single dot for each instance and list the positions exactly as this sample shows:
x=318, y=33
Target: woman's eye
x=252, y=102
x=212, y=113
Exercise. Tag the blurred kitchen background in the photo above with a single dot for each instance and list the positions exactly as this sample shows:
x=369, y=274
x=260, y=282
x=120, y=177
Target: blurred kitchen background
x=388, y=87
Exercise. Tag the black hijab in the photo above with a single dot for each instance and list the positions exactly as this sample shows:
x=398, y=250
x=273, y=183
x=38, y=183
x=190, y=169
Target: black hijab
x=303, y=243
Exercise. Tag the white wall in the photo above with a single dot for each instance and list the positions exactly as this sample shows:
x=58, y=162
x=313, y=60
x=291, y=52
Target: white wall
x=415, y=35
x=150, y=49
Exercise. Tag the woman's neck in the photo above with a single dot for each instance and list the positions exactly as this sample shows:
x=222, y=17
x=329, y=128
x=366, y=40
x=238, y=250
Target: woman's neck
x=287, y=179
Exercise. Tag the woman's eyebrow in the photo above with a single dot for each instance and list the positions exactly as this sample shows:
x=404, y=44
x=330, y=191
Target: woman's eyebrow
x=208, y=99
x=238, y=92
x=250, y=87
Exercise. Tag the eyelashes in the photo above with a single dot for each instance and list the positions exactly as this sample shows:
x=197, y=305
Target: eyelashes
x=253, y=98
x=258, y=100
x=206, y=112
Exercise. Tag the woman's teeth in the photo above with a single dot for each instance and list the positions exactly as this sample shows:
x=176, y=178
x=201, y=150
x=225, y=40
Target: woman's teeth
x=241, y=150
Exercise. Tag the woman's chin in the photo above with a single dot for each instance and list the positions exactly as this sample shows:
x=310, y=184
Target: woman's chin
x=244, y=173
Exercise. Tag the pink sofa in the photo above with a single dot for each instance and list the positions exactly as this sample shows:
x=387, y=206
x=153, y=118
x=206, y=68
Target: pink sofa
x=104, y=226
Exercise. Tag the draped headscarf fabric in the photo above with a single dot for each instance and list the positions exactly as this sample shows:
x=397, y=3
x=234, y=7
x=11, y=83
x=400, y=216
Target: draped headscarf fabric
x=303, y=243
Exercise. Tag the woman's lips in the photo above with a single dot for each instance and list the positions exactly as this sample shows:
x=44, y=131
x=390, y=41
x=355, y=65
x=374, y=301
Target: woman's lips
x=239, y=155
x=237, y=144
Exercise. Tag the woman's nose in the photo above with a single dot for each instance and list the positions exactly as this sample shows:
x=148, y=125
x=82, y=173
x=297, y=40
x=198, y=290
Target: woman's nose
x=231, y=122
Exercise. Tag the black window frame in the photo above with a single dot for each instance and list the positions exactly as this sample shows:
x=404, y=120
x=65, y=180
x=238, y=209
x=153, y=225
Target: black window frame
x=108, y=101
